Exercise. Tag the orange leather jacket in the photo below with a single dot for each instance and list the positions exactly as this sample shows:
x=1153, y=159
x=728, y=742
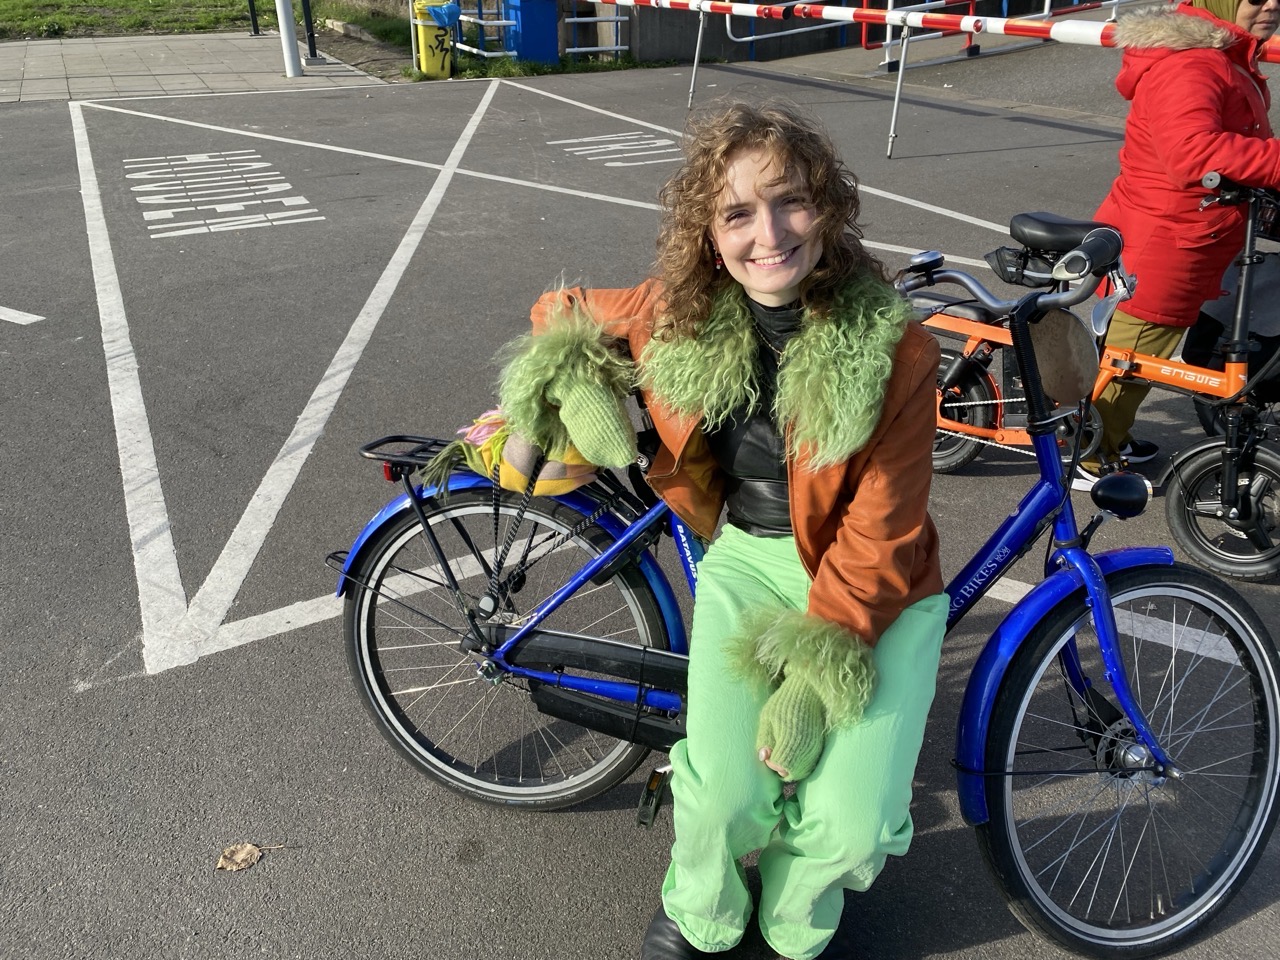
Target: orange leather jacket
x=862, y=527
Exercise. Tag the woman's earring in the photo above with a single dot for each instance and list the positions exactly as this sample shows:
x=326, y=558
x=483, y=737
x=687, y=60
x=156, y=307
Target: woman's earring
x=719, y=259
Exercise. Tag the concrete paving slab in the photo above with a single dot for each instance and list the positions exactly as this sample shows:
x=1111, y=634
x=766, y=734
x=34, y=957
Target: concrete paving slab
x=113, y=66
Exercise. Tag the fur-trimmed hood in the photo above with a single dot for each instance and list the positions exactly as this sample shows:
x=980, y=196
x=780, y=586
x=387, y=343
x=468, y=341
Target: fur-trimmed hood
x=1175, y=28
x=831, y=380
x=1150, y=36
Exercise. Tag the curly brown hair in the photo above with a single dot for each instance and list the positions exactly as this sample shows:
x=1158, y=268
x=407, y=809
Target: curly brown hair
x=797, y=143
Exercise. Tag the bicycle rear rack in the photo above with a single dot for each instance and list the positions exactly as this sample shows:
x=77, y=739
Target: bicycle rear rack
x=403, y=453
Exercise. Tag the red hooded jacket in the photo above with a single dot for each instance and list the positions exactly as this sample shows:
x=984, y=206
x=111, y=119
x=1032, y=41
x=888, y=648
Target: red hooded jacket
x=1199, y=104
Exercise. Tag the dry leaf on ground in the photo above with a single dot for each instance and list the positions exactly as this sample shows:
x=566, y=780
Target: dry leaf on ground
x=241, y=856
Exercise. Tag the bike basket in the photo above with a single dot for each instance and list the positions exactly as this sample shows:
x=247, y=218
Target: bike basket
x=1267, y=227
x=1025, y=268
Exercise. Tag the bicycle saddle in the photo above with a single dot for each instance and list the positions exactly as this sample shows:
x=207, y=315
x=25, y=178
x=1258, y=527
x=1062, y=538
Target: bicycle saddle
x=1048, y=231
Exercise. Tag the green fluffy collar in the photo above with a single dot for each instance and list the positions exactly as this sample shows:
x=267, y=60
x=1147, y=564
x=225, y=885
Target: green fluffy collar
x=831, y=381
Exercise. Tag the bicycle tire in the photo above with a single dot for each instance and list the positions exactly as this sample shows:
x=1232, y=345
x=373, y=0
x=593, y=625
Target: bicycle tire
x=970, y=402
x=1193, y=500
x=480, y=737
x=1100, y=857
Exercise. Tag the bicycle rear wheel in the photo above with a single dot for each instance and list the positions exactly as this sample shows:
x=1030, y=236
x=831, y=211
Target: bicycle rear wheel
x=484, y=737
x=970, y=403
x=1090, y=846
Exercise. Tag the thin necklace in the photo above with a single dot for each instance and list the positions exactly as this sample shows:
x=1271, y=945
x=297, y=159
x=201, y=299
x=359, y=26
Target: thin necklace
x=765, y=339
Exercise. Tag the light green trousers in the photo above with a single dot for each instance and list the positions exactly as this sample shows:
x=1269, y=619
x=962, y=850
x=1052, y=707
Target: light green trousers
x=842, y=821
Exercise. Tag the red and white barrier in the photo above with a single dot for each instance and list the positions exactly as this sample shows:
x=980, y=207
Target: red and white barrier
x=1087, y=32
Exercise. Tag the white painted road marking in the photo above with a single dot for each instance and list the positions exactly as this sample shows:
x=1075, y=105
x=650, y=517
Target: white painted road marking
x=17, y=316
x=173, y=632
x=228, y=182
x=176, y=632
x=618, y=149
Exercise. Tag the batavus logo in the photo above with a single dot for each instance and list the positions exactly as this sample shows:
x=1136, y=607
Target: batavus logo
x=687, y=549
x=979, y=580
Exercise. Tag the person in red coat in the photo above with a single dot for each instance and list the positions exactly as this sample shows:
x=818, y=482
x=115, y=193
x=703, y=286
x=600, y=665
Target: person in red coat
x=1198, y=104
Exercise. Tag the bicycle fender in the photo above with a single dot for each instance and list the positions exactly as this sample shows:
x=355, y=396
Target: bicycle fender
x=458, y=481
x=668, y=605
x=989, y=670
x=1182, y=456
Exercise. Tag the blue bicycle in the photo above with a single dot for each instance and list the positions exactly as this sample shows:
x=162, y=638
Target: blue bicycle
x=1118, y=746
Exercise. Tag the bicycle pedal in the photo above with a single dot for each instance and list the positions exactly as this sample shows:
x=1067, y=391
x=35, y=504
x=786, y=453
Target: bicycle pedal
x=655, y=791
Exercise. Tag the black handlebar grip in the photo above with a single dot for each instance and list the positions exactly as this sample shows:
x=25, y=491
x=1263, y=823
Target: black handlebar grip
x=1097, y=253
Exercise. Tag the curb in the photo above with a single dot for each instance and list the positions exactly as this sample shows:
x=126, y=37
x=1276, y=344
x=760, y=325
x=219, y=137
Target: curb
x=350, y=30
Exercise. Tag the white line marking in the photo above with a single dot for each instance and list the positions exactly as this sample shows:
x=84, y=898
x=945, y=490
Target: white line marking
x=173, y=632
x=304, y=613
x=17, y=316
x=912, y=251
x=942, y=211
x=407, y=161
x=210, y=605
x=603, y=136
x=208, y=94
x=589, y=107
x=637, y=163
x=160, y=593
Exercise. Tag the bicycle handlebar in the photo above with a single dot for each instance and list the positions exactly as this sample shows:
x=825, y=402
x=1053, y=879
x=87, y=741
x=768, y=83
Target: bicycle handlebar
x=1045, y=300
x=1095, y=257
x=1228, y=192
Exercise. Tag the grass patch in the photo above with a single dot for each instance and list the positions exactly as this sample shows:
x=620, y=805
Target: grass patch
x=383, y=24
x=41, y=19
x=384, y=19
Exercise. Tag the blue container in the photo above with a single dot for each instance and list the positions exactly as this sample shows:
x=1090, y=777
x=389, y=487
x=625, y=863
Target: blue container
x=535, y=36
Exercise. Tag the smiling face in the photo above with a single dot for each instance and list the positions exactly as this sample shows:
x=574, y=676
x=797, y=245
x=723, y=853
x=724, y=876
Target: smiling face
x=765, y=228
x=1261, y=21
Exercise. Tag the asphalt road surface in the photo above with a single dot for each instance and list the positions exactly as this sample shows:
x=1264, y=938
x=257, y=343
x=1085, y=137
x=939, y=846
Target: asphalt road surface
x=180, y=431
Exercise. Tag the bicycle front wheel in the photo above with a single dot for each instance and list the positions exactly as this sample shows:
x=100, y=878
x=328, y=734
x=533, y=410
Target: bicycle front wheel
x=483, y=736
x=1194, y=511
x=1091, y=846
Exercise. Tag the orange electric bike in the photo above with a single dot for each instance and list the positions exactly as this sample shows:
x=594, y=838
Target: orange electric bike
x=1221, y=493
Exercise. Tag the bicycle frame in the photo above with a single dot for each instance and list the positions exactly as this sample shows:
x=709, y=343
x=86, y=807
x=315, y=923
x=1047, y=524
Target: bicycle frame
x=1128, y=366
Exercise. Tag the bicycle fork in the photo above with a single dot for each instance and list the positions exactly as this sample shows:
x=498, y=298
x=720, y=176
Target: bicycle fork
x=1146, y=754
x=1239, y=500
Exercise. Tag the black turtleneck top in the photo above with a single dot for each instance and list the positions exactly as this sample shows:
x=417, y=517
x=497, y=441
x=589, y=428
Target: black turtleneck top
x=749, y=446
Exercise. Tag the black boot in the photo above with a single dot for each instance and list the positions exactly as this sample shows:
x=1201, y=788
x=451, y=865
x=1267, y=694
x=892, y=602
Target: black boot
x=664, y=941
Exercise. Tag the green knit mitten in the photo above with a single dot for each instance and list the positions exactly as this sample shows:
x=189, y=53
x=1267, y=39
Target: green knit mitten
x=793, y=725
x=594, y=418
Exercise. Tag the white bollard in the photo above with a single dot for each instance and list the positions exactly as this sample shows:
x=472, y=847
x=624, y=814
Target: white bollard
x=288, y=38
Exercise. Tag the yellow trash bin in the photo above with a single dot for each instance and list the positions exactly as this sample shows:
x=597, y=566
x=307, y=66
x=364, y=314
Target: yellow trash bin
x=434, y=45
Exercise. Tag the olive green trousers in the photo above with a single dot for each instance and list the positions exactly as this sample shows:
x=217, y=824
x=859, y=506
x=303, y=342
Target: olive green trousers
x=1118, y=403
x=840, y=824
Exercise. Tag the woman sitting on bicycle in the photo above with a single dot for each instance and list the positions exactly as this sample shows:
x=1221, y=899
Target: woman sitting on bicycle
x=789, y=388
x=1199, y=104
